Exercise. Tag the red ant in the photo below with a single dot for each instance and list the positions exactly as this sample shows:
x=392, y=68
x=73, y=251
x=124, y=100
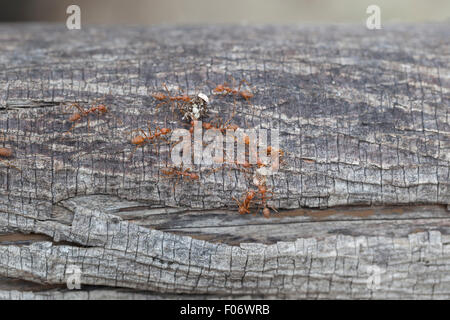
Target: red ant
x=167, y=98
x=84, y=113
x=145, y=138
x=208, y=125
x=7, y=153
x=226, y=90
x=243, y=167
x=244, y=207
x=263, y=192
x=180, y=173
x=221, y=127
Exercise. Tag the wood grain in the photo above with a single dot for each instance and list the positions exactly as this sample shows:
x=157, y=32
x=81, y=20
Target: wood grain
x=363, y=116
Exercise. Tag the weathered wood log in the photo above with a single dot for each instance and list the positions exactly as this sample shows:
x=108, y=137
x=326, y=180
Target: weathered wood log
x=363, y=194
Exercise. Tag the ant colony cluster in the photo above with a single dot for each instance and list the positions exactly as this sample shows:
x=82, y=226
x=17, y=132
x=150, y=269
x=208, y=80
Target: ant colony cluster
x=192, y=108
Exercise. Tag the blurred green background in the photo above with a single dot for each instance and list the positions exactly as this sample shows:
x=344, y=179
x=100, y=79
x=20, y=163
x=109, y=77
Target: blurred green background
x=225, y=11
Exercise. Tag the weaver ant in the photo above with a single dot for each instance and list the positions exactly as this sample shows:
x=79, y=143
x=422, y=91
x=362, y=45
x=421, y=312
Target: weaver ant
x=180, y=173
x=167, y=98
x=7, y=153
x=99, y=109
x=144, y=138
x=262, y=192
x=244, y=207
x=208, y=125
x=225, y=89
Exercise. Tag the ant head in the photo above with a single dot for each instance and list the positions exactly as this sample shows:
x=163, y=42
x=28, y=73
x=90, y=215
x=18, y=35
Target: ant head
x=266, y=212
x=269, y=150
x=138, y=140
x=165, y=130
x=251, y=194
x=102, y=108
x=75, y=117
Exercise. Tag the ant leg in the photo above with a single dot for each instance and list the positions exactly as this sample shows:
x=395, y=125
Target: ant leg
x=132, y=153
x=169, y=97
x=134, y=130
x=213, y=171
x=180, y=106
x=160, y=104
x=156, y=147
x=175, y=185
x=237, y=201
x=168, y=142
x=144, y=134
x=71, y=128
x=172, y=145
x=80, y=108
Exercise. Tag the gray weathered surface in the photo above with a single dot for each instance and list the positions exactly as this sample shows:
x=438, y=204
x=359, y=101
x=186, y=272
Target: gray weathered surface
x=364, y=117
